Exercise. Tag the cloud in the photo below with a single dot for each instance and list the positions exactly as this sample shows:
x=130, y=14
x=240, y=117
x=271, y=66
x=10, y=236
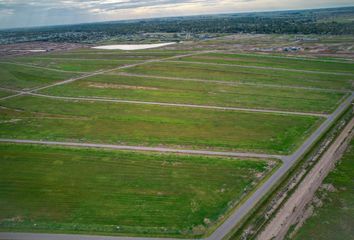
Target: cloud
x=24, y=13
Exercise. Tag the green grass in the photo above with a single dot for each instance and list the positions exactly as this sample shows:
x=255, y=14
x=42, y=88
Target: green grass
x=79, y=190
x=42, y=118
x=4, y=93
x=78, y=65
x=113, y=55
x=335, y=219
x=20, y=77
x=189, y=92
x=246, y=75
x=267, y=61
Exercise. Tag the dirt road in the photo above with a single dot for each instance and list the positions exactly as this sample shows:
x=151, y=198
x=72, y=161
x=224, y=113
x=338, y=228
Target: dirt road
x=295, y=205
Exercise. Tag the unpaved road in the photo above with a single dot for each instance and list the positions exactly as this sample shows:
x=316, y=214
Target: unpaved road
x=107, y=71
x=295, y=205
x=266, y=68
x=227, y=226
x=93, y=99
x=237, y=215
x=231, y=83
x=141, y=148
x=180, y=105
x=42, y=68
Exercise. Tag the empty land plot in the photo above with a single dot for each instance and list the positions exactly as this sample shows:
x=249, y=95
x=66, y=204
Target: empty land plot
x=114, y=55
x=39, y=118
x=119, y=192
x=243, y=75
x=4, y=93
x=189, y=92
x=335, y=218
x=20, y=77
x=75, y=65
x=274, y=62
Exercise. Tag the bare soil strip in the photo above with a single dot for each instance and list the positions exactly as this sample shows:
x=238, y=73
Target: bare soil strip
x=296, y=204
x=225, y=82
x=180, y=105
x=107, y=71
x=266, y=68
x=150, y=149
x=93, y=99
x=43, y=68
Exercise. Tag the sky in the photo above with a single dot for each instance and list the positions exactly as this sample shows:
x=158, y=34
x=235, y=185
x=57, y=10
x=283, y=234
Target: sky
x=28, y=13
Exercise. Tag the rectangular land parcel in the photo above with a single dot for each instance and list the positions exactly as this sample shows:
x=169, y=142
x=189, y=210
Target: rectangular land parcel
x=36, y=118
x=155, y=89
x=117, y=192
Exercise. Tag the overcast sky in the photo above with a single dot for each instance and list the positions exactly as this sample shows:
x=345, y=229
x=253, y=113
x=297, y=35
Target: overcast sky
x=26, y=13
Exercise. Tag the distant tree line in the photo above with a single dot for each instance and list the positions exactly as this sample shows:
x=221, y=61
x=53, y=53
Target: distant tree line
x=336, y=21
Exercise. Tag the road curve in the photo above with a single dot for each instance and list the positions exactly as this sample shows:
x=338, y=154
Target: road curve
x=150, y=149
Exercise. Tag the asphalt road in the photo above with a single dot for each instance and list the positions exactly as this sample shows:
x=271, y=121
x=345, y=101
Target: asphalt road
x=237, y=215
x=228, y=225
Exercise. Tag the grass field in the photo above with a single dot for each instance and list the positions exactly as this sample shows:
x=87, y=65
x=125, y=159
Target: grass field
x=189, y=92
x=115, y=192
x=20, y=77
x=335, y=219
x=245, y=75
x=57, y=189
x=268, y=61
x=4, y=93
x=75, y=65
x=114, y=54
x=41, y=118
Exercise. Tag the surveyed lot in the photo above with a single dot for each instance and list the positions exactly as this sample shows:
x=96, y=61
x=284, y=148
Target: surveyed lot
x=118, y=192
x=204, y=93
x=244, y=75
x=22, y=77
x=275, y=62
x=334, y=219
x=75, y=65
x=51, y=119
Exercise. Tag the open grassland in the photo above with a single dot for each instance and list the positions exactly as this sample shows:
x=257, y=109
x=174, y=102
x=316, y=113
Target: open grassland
x=244, y=75
x=135, y=124
x=21, y=77
x=4, y=93
x=117, y=192
x=206, y=93
x=335, y=219
x=114, y=54
x=75, y=65
x=269, y=61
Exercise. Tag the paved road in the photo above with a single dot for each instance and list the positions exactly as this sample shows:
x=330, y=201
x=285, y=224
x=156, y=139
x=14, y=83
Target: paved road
x=237, y=215
x=152, y=149
x=180, y=105
x=228, y=225
x=232, y=83
x=266, y=68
